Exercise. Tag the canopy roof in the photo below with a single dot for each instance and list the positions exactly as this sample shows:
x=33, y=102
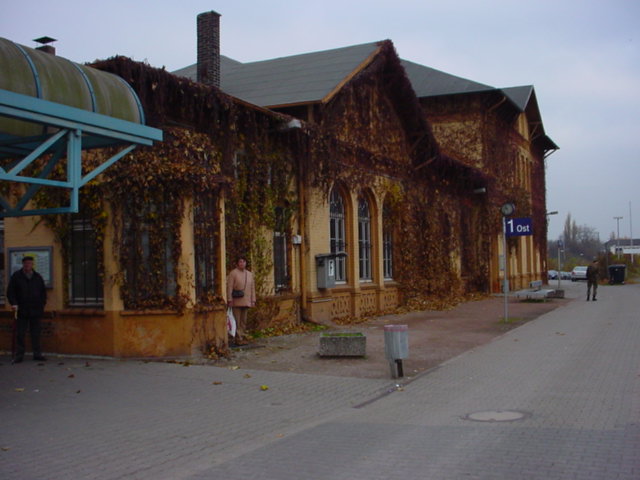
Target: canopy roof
x=50, y=105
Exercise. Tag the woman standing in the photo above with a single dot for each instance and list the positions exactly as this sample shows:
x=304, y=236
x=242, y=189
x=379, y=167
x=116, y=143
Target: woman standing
x=241, y=295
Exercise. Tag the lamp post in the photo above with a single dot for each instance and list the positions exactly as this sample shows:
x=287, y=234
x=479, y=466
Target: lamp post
x=630, y=234
x=507, y=209
x=617, y=219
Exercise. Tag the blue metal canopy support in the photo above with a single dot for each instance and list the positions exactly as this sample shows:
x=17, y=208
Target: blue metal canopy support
x=65, y=126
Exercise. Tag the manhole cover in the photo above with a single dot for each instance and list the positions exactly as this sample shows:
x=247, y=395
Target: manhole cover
x=496, y=416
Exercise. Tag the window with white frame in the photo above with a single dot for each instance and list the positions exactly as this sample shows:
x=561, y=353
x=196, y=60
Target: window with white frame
x=337, y=232
x=364, y=239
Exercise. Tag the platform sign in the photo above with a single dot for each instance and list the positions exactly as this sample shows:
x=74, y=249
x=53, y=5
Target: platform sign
x=518, y=227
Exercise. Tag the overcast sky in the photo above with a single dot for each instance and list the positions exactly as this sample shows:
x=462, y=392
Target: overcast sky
x=582, y=57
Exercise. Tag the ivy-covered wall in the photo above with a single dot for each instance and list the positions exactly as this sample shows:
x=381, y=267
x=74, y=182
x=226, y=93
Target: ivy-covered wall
x=485, y=131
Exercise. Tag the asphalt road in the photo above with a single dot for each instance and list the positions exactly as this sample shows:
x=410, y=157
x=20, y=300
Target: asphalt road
x=558, y=398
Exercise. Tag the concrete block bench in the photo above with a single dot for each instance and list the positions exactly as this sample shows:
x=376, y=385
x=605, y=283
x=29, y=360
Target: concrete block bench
x=535, y=292
x=342, y=345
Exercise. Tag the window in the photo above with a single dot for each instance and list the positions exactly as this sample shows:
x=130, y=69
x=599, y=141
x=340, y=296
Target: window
x=387, y=243
x=150, y=277
x=337, y=232
x=85, y=282
x=280, y=264
x=205, y=231
x=364, y=239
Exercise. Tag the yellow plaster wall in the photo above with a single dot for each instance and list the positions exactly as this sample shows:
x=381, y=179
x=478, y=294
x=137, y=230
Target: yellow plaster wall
x=32, y=232
x=354, y=298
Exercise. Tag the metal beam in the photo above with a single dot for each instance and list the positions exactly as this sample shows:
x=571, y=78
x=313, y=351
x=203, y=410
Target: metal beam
x=78, y=129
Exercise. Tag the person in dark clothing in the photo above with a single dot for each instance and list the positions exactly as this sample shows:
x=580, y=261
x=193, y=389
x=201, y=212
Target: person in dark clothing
x=592, y=280
x=27, y=294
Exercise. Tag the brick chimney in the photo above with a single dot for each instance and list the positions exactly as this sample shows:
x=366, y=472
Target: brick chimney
x=209, y=48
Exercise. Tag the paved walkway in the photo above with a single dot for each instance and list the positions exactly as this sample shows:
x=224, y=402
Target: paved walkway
x=571, y=375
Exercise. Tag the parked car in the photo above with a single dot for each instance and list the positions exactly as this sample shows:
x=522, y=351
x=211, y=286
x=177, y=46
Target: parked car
x=579, y=273
x=565, y=275
x=552, y=274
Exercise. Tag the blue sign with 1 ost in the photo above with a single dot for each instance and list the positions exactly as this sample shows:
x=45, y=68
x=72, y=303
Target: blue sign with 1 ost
x=518, y=227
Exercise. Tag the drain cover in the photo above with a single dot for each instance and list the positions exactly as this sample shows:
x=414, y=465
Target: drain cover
x=496, y=416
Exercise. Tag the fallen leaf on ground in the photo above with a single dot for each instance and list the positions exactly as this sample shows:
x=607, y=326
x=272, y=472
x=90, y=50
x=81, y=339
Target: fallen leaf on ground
x=235, y=367
x=264, y=387
x=247, y=375
x=217, y=383
x=19, y=390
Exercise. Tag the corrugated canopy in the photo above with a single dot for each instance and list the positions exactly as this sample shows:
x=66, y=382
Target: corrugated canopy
x=52, y=106
x=48, y=77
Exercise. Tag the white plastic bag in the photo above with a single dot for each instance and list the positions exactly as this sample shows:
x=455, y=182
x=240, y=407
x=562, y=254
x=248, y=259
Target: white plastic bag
x=231, y=322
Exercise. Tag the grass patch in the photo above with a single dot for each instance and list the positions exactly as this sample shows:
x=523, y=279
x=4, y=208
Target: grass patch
x=287, y=330
x=343, y=334
x=509, y=320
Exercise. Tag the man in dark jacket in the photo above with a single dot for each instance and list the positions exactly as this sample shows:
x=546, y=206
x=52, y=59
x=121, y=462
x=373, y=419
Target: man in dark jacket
x=592, y=279
x=27, y=294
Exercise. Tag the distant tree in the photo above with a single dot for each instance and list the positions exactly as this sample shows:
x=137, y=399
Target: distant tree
x=581, y=244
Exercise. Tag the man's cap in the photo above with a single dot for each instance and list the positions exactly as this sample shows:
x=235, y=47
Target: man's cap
x=27, y=257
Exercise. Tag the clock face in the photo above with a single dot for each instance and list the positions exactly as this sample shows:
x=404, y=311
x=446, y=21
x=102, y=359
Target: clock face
x=507, y=209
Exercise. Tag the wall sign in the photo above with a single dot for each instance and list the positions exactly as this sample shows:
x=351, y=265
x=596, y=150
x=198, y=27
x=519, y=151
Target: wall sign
x=42, y=262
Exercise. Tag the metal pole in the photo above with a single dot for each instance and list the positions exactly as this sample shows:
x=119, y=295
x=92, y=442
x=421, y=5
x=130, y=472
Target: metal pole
x=559, y=266
x=617, y=219
x=630, y=234
x=505, y=287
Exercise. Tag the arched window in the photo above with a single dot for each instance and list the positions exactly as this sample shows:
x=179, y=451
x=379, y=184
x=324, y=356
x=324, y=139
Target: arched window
x=337, y=232
x=387, y=242
x=364, y=239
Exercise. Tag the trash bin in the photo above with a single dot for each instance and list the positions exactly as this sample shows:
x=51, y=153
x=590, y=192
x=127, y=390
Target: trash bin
x=616, y=273
x=396, y=347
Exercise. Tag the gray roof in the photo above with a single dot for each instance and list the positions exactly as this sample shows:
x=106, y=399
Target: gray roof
x=429, y=82
x=305, y=78
x=191, y=72
x=519, y=96
x=311, y=77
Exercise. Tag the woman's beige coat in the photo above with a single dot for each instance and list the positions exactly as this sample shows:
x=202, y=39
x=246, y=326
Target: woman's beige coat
x=236, y=281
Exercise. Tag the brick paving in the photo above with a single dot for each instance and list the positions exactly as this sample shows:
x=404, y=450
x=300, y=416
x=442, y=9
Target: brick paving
x=574, y=373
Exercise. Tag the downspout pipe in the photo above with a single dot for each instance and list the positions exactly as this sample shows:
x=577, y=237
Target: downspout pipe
x=302, y=224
